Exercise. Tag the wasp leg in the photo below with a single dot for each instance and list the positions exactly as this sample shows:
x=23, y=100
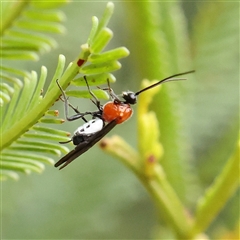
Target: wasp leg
x=96, y=102
x=67, y=104
x=66, y=141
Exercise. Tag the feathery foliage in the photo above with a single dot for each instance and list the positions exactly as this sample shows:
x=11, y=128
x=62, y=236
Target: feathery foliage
x=174, y=175
x=27, y=138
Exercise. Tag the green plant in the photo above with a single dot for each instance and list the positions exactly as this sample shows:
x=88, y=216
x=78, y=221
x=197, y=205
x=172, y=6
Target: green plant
x=25, y=110
x=164, y=167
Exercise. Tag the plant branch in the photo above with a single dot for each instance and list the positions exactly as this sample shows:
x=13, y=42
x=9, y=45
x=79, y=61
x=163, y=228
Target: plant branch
x=218, y=194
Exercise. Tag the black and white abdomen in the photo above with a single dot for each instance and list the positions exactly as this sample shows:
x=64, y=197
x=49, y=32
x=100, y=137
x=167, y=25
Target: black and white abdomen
x=87, y=129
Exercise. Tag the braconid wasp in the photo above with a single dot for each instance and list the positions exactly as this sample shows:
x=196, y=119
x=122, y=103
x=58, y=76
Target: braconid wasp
x=107, y=116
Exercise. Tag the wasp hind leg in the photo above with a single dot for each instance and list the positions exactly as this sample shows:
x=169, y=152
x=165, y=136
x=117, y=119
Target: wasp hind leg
x=95, y=101
x=67, y=105
x=66, y=141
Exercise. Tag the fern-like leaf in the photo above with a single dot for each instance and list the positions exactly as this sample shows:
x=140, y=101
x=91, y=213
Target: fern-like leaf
x=24, y=29
x=27, y=139
x=23, y=127
x=24, y=35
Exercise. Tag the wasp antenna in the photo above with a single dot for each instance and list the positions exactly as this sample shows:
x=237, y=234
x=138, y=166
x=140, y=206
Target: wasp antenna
x=168, y=79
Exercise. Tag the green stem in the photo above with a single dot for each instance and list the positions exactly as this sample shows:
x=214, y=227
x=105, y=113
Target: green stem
x=168, y=203
x=157, y=185
x=218, y=194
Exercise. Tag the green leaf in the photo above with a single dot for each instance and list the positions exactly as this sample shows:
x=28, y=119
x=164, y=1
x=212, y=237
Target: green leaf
x=101, y=40
x=101, y=79
x=101, y=67
x=29, y=106
x=111, y=55
x=25, y=138
x=41, y=158
x=30, y=25
x=40, y=26
x=106, y=17
x=85, y=94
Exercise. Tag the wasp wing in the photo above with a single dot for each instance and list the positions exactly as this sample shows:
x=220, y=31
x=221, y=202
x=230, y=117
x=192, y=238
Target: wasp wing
x=84, y=146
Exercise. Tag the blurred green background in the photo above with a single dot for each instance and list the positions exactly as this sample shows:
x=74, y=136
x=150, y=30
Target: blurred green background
x=97, y=197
